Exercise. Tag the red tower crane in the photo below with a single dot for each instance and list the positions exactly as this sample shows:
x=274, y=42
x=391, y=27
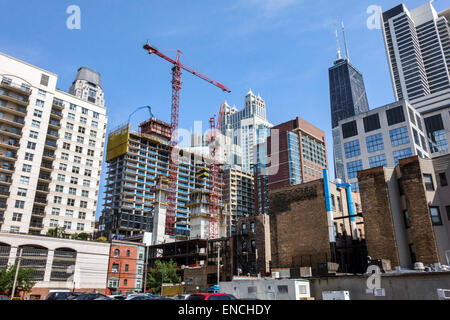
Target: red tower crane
x=176, y=88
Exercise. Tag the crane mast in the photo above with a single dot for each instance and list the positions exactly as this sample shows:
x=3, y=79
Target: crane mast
x=173, y=163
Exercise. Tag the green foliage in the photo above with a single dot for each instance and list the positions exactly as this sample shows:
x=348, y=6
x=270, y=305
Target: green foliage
x=25, y=280
x=57, y=232
x=80, y=236
x=164, y=272
x=101, y=239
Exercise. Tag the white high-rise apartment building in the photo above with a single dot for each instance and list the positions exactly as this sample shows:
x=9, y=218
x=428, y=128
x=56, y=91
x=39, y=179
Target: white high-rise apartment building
x=247, y=127
x=418, y=48
x=51, y=149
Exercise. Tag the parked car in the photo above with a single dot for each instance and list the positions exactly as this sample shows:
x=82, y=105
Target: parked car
x=2, y=298
x=92, y=296
x=211, y=296
x=120, y=297
x=62, y=295
x=146, y=297
x=181, y=296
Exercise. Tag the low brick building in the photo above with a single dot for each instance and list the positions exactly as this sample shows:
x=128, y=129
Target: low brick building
x=404, y=211
x=252, y=246
x=301, y=235
x=125, y=267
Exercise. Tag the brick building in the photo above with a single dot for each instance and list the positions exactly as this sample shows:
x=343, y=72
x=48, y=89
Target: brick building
x=125, y=267
x=301, y=235
x=404, y=211
x=252, y=246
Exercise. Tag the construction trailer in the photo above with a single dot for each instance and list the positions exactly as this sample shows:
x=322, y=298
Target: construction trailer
x=267, y=288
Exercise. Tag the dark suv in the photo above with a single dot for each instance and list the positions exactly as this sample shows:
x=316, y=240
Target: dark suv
x=62, y=295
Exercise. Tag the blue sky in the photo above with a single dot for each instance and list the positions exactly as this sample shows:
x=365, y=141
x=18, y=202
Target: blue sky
x=279, y=48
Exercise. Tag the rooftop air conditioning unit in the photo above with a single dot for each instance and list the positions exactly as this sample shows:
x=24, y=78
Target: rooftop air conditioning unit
x=275, y=275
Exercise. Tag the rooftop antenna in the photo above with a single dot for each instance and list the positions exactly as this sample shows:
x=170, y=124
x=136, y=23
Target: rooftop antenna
x=345, y=43
x=338, y=47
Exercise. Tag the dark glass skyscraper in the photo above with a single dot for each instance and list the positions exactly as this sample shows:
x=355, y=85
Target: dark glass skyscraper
x=348, y=98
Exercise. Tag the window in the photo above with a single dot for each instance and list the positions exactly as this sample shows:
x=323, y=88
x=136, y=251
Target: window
x=31, y=145
x=69, y=125
x=17, y=217
x=79, y=149
x=436, y=133
x=378, y=161
x=36, y=123
x=82, y=215
x=59, y=188
x=95, y=124
x=352, y=149
x=87, y=172
x=93, y=133
x=372, y=123
x=71, y=202
x=61, y=177
x=448, y=212
x=428, y=180
x=80, y=226
x=26, y=168
x=55, y=211
x=14, y=229
x=72, y=191
x=117, y=254
x=39, y=103
x=77, y=159
x=435, y=216
x=443, y=179
x=80, y=139
x=69, y=213
x=73, y=107
x=21, y=192
x=84, y=111
x=128, y=253
x=83, y=120
x=42, y=93
x=57, y=200
x=81, y=130
x=67, y=136
x=349, y=129
x=406, y=219
x=68, y=225
x=75, y=170
x=37, y=113
x=66, y=146
x=252, y=226
x=95, y=114
x=29, y=156
x=353, y=168
x=90, y=152
x=86, y=183
x=91, y=143
x=83, y=204
x=85, y=193
x=71, y=116
x=64, y=156
x=401, y=154
x=53, y=223
x=125, y=282
x=89, y=162
x=73, y=180
x=395, y=115
x=399, y=136
x=24, y=180
x=34, y=134
x=63, y=166
x=19, y=204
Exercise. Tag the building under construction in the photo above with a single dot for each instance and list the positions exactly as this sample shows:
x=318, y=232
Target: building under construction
x=137, y=187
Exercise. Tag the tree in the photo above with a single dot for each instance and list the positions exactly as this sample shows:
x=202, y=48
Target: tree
x=101, y=239
x=25, y=279
x=57, y=232
x=164, y=272
x=80, y=236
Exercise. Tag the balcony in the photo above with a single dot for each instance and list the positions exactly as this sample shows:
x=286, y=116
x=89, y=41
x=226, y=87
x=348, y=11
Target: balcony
x=45, y=177
x=43, y=188
x=52, y=134
x=4, y=192
x=49, y=155
x=56, y=114
x=39, y=212
x=58, y=104
x=16, y=122
x=14, y=98
x=18, y=111
x=54, y=124
x=8, y=155
x=50, y=144
x=40, y=200
x=11, y=132
x=2, y=204
x=22, y=89
x=36, y=225
x=10, y=144
x=47, y=166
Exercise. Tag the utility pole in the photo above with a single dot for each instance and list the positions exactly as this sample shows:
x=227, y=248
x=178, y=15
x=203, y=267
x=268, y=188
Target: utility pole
x=218, y=263
x=146, y=269
x=17, y=273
